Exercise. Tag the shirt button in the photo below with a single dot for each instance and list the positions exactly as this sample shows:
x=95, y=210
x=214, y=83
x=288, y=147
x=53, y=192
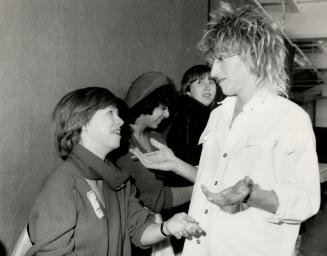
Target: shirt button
x=225, y=155
x=216, y=182
x=206, y=211
x=198, y=241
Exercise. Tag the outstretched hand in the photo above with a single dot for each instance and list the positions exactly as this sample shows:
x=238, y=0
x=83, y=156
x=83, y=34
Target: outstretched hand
x=231, y=195
x=162, y=159
x=183, y=225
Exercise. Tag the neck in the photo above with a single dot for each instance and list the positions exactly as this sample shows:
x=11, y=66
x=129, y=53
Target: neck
x=141, y=136
x=138, y=128
x=244, y=96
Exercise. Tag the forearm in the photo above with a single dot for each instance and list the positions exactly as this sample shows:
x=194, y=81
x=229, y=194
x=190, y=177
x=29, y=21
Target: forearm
x=185, y=170
x=181, y=195
x=265, y=200
x=152, y=235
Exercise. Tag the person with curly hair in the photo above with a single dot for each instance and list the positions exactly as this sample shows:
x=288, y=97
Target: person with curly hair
x=258, y=176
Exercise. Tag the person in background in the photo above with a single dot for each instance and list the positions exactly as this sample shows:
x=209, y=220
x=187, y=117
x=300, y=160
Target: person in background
x=87, y=206
x=149, y=99
x=257, y=139
x=200, y=95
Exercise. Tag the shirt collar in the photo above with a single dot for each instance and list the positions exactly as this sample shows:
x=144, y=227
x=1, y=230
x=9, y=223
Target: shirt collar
x=94, y=168
x=258, y=99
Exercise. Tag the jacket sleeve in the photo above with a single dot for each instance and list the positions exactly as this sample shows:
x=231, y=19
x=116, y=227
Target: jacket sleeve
x=138, y=217
x=53, y=218
x=152, y=191
x=298, y=187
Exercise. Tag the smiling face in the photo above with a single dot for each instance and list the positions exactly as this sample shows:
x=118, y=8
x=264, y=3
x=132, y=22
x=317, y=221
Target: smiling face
x=203, y=90
x=102, y=133
x=159, y=113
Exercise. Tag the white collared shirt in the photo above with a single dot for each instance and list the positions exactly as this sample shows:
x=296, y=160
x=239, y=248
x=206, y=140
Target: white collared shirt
x=272, y=142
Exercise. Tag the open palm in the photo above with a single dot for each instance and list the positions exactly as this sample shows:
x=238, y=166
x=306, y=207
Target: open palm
x=162, y=159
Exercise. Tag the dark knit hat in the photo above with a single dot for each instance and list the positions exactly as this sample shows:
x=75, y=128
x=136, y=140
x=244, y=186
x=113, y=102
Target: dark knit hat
x=144, y=85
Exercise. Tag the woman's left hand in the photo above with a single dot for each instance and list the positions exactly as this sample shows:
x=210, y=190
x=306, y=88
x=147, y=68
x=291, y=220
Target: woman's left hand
x=183, y=225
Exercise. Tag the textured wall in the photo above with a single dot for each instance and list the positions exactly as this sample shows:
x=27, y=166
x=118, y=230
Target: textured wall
x=51, y=47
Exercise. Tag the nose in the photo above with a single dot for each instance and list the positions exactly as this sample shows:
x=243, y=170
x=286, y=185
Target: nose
x=166, y=113
x=216, y=69
x=207, y=86
x=119, y=121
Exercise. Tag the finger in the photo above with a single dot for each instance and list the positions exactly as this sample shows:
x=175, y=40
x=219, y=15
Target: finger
x=133, y=157
x=136, y=152
x=141, y=156
x=185, y=233
x=207, y=192
x=189, y=219
x=157, y=144
x=178, y=235
x=248, y=181
x=153, y=153
x=194, y=229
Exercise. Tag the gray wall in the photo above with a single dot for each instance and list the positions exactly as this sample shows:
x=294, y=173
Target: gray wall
x=48, y=48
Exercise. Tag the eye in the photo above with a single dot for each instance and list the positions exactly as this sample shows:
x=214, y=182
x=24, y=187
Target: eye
x=221, y=58
x=112, y=112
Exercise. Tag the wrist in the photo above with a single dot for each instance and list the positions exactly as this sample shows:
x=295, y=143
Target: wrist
x=163, y=229
x=177, y=165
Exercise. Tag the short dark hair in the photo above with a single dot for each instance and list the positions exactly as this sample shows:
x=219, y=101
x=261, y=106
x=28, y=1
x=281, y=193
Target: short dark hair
x=192, y=74
x=164, y=95
x=73, y=111
x=200, y=72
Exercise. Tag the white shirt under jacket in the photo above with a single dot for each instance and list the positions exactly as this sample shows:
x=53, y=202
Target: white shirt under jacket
x=272, y=142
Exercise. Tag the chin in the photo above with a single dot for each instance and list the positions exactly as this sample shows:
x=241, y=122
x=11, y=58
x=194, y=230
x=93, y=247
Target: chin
x=205, y=102
x=155, y=126
x=113, y=147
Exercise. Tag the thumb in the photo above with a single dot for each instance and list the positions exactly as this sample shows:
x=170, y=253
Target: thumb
x=248, y=181
x=156, y=143
x=206, y=191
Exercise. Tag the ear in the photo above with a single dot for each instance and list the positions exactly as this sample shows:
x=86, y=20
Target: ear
x=188, y=93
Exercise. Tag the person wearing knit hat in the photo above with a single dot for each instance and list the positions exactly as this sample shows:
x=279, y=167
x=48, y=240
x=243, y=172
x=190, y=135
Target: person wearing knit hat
x=144, y=85
x=149, y=99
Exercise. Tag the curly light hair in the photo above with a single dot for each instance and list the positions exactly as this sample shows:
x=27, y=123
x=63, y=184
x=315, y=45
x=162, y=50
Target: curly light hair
x=248, y=32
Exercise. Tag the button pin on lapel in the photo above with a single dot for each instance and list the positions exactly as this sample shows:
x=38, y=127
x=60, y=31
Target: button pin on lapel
x=95, y=204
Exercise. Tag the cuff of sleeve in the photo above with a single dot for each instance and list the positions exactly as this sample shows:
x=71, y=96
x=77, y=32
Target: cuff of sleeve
x=282, y=214
x=139, y=232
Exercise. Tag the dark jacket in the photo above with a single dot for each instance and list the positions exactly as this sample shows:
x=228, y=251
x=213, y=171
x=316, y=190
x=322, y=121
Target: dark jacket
x=63, y=221
x=186, y=129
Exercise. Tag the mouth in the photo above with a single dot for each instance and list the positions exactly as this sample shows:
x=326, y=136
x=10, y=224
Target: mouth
x=117, y=132
x=206, y=95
